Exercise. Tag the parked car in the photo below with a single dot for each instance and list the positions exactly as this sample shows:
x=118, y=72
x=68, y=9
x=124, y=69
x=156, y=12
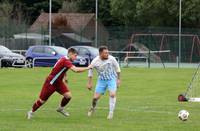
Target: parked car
x=43, y=55
x=87, y=52
x=10, y=59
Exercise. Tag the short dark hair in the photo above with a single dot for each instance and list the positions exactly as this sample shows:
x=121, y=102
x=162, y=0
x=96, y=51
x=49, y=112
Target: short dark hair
x=101, y=48
x=72, y=50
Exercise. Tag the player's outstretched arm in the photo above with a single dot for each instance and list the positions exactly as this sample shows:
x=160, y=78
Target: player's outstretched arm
x=89, y=84
x=90, y=74
x=79, y=69
x=118, y=70
x=118, y=79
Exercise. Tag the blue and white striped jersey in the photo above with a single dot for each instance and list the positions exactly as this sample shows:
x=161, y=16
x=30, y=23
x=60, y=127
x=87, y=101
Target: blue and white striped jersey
x=106, y=69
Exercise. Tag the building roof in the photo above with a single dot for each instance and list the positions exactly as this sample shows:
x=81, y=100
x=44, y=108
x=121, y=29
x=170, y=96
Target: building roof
x=77, y=37
x=75, y=21
x=31, y=36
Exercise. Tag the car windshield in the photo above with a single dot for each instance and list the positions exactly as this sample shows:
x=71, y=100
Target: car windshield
x=94, y=51
x=4, y=50
x=61, y=50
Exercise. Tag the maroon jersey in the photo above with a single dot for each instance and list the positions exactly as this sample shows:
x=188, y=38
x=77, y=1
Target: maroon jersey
x=59, y=69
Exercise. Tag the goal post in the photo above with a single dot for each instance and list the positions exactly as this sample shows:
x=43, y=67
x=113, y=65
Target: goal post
x=167, y=41
x=146, y=57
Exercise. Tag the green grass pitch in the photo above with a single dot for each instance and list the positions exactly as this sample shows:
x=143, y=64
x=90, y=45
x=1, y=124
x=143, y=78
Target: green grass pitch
x=147, y=101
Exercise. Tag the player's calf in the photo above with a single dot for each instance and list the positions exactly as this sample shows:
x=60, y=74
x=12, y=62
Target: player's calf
x=92, y=109
x=112, y=102
x=65, y=100
x=35, y=106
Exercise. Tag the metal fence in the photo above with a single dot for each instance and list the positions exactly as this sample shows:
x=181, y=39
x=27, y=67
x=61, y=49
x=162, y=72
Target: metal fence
x=116, y=38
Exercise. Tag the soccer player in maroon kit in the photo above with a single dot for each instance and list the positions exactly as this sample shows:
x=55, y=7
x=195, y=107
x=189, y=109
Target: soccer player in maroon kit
x=56, y=82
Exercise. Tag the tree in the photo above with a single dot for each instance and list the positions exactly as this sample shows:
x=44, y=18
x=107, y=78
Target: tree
x=86, y=6
x=32, y=8
x=116, y=12
x=124, y=10
x=156, y=12
x=5, y=11
x=104, y=14
x=191, y=13
x=10, y=25
x=69, y=7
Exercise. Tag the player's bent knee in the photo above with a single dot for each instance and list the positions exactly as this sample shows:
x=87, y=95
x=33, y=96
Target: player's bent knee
x=97, y=96
x=112, y=95
x=42, y=101
x=67, y=95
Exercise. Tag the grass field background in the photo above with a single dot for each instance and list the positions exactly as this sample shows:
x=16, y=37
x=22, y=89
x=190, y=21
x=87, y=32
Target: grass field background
x=147, y=101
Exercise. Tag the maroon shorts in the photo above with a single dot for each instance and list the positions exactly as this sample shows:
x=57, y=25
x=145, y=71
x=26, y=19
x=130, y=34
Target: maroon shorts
x=48, y=89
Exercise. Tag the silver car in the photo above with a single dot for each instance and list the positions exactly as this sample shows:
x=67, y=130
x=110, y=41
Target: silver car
x=10, y=59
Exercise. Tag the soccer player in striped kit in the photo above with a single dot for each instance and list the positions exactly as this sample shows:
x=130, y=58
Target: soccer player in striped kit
x=108, y=78
x=56, y=81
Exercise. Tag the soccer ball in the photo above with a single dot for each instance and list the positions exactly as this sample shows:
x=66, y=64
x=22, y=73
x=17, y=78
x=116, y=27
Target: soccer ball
x=183, y=115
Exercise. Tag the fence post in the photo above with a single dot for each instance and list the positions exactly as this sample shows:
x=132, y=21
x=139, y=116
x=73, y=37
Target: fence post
x=149, y=54
x=0, y=63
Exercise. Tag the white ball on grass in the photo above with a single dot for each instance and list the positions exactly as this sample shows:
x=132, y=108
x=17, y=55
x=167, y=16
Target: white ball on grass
x=183, y=115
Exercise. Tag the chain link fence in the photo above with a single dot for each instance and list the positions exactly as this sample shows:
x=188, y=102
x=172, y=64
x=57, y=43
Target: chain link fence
x=20, y=37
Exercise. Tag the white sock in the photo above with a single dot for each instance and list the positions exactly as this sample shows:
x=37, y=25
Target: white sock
x=112, y=102
x=61, y=108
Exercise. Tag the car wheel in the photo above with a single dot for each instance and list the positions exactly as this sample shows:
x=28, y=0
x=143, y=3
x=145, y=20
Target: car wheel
x=29, y=62
x=5, y=63
x=1, y=64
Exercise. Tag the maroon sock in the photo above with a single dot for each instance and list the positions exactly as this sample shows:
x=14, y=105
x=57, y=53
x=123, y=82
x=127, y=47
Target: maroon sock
x=64, y=101
x=36, y=105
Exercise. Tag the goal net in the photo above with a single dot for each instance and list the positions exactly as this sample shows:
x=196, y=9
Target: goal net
x=192, y=93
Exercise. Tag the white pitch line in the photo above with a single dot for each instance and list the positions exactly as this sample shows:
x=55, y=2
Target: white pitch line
x=146, y=109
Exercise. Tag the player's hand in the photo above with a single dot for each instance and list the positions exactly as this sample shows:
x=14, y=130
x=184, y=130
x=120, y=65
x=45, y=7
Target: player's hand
x=89, y=86
x=90, y=67
x=118, y=83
